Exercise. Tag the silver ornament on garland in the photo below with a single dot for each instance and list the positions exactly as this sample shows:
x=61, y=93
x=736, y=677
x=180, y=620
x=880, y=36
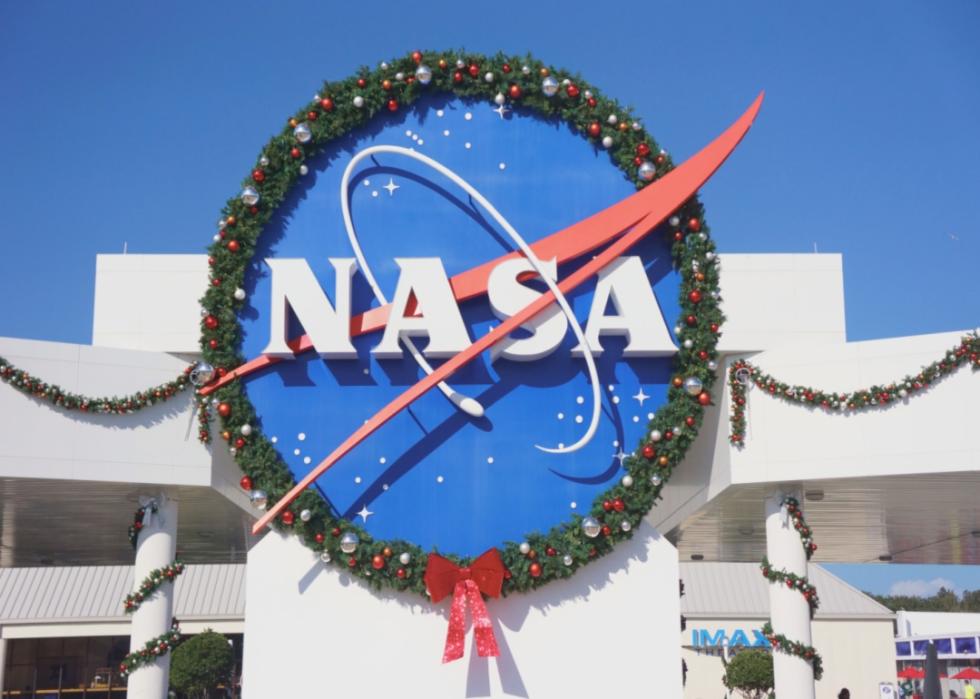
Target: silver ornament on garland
x=549, y=86
x=263, y=161
x=325, y=556
x=488, y=77
x=349, y=542
x=591, y=527
x=358, y=101
x=627, y=481
x=303, y=169
x=675, y=221
x=423, y=74
x=607, y=142
x=399, y=76
x=302, y=133
x=405, y=558
x=647, y=171
x=611, y=119
x=306, y=515
x=567, y=559
x=693, y=386
x=524, y=548
x=625, y=525
x=245, y=429
x=499, y=99
x=656, y=480
x=239, y=294
x=655, y=436
x=259, y=499
x=202, y=373
x=249, y=196
x=636, y=126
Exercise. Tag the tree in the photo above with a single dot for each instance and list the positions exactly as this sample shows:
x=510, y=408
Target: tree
x=201, y=663
x=750, y=673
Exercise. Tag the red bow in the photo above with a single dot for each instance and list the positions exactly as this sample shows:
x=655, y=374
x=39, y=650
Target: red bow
x=484, y=575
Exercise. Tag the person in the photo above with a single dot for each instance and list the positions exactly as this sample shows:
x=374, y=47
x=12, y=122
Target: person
x=845, y=693
x=969, y=692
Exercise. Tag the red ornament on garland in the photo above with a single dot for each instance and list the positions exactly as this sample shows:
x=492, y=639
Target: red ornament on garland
x=210, y=322
x=239, y=443
x=378, y=562
x=457, y=77
x=649, y=452
x=295, y=153
x=535, y=570
x=704, y=398
x=642, y=150
x=312, y=116
x=233, y=246
x=514, y=91
x=224, y=409
x=351, y=562
x=400, y=573
x=618, y=505
x=474, y=70
x=595, y=129
x=245, y=483
x=691, y=321
x=572, y=91
x=694, y=296
x=326, y=104
x=392, y=105
x=213, y=344
x=361, y=82
x=258, y=175
x=694, y=225
x=318, y=538
x=417, y=57
x=288, y=518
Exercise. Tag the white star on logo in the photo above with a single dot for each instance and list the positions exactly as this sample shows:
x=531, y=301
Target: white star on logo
x=364, y=513
x=391, y=187
x=621, y=455
x=641, y=396
x=501, y=110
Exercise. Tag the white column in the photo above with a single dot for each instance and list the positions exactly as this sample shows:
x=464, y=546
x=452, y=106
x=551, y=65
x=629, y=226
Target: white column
x=789, y=610
x=155, y=548
x=3, y=656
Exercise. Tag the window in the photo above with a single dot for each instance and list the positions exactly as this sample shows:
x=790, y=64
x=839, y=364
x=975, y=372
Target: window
x=943, y=645
x=920, y=647
x=903, y=648
x=966, y=644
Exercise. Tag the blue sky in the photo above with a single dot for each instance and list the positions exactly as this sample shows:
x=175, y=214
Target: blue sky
x=130, y=123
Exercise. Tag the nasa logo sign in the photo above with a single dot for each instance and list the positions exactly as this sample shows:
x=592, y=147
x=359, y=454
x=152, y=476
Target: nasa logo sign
x=463, y=303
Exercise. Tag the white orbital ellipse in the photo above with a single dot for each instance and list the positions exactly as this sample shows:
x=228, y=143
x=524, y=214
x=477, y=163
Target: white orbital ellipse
x=465, y=403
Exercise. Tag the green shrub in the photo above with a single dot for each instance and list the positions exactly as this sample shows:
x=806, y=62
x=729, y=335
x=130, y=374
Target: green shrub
x=201, y=663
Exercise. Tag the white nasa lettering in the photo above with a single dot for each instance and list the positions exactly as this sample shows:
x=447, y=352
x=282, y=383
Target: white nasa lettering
x=508, y=296
x=436, y=313
x=638, y=315
x=295, y=286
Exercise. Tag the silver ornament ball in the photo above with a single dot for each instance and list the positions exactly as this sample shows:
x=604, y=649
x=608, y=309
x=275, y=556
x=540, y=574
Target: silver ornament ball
x=239, y=294
x=499, y=98
x=405, y=558
x=647, y=171
x=526, y=70
x=349, y=542
x=611, y=119
x=656, y=480
x=636, y=126
x=249, y=196
x=675, y=221
x=303, y=169
x=591, y=527
x=549, y=86
x=302, y=133
x=305, y=515
x=488, y=77
x=325, y=556
x=693, y=386
x=712, y=365
x=259, y=499
x=655, y=436
x=460, y=63
x=567, y=559
x=216, y=237
x=688, y=344
x=607, y=142
x=423, y=74
x=625, y=525
x=627, y=481
x=525, y=547
x=358, y=101
x=202, y=373
x=263, y=161
x=245, y=429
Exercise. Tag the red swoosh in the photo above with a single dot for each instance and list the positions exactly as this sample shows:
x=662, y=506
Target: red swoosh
x=663, y=197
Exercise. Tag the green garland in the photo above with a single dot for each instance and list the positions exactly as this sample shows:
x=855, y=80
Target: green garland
x=151, y=650
x=137, y=526
x=116, y=405
x=562, y=550
x=782, y=644
x=793, y=582
x=151, y=583
x=743, y=372
x=779, y=642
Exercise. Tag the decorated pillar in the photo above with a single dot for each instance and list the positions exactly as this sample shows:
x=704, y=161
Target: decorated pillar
x=151, y=635
x=787, y=554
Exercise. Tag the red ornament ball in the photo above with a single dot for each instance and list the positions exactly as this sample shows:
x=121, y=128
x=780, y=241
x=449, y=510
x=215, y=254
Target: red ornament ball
x=335, y=532
x=514, y=91
x=714, y=327
x=694, y=225
x=607, y=505
x=474, y=70
x=606, y=531
x=619, y=505
x=288, y=518
x=246, y=483
x=535, y=570
x=505, y=67
x=591, y=102
x=361, y=82
x=572, y=91
x=210, y=322
x=295, y=153
x=233, y=246
x=704, y=398
x=224, y=409
x=212, y=343
x=443, y=64
x=642, y=150
x=258, y=175
x=457, y=77
x=695, y=296
x=595, y=129
x=417, y=57
x=392, y=105
x=319, y=537
x=691, y=321
x=326, y=104
x=378, y=561
x=312, y=116
x=550, y=551
x=400, y=573
x=690, y=421
x=386, y=85
x=239, y=443
x=351, y=562
x=648, y=451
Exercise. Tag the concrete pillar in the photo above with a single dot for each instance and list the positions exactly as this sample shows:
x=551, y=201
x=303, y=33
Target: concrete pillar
x=3, y=657
x=789, y=611
x=155, y=548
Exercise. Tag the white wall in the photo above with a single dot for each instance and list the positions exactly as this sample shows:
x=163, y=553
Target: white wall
x=935, y=623
x=312, y=630
x=857, y=654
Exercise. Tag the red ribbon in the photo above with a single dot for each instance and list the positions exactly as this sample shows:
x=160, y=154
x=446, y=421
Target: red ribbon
x=484, y=575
